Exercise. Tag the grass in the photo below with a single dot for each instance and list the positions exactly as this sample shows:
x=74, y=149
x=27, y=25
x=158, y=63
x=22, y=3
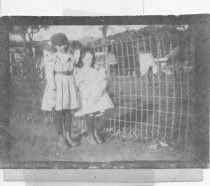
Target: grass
x=35, y=140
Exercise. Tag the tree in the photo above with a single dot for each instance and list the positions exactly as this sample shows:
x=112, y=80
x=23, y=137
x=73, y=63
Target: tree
x=104, y=29
x=186, y=42
x=27, y=33
x=29, y=79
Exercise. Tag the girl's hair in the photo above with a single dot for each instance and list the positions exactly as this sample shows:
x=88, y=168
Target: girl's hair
x=75, y=45
x=59, y=39
x=80, y=64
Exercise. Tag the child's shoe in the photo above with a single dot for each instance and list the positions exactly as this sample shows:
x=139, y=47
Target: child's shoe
x=98, y=139
x=70, y=141
x=91, y=139
x=61, y=143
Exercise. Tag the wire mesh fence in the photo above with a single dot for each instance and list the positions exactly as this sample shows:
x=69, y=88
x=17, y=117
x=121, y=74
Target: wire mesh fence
x=150, y=87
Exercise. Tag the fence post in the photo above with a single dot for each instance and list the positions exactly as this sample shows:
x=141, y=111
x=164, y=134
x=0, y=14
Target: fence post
x=4, y=83
x=201, y=124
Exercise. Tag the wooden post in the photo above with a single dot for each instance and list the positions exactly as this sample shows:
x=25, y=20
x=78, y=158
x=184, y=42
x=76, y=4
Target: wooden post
x=200, y=131
x=4, y=82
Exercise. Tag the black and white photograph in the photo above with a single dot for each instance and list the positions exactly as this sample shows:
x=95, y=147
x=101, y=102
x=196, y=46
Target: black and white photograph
x=106, y=93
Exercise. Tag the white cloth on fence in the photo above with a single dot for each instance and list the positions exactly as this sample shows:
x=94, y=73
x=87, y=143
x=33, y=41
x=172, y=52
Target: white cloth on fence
x=92, y=84
x=61, y=90
x=146, y=60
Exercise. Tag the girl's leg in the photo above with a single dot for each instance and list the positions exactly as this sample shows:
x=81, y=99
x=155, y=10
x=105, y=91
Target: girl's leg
x=67, y=121
x=68, y=127
x=90, y=128
x=89, y=122
x=59, y=128
x=59, y=122
x=96, y=126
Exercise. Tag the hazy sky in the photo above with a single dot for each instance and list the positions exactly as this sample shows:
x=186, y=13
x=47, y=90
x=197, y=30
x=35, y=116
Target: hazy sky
x=78, y=32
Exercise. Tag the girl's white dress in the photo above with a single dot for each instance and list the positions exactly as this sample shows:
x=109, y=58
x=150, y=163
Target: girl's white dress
x=61, y=91
x=93, y=96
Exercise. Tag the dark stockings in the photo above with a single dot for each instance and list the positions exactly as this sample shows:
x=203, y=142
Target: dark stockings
x=63, y=120
x=92, y=124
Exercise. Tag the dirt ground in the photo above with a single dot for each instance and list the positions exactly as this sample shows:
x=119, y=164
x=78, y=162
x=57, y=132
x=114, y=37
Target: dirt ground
x=36, y=141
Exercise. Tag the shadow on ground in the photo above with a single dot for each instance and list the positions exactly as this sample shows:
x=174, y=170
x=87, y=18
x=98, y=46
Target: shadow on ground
x=36, y=141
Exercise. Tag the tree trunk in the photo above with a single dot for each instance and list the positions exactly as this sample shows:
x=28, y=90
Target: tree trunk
x=24, y=43
x=30, y=50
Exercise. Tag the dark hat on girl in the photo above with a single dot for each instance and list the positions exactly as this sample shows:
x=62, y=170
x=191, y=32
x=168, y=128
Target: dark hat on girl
x=59, y=39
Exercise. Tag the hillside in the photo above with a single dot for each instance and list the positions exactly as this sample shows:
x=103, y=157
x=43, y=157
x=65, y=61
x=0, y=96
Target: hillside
x=145, y=31
x=86, y=40
x=123, y=36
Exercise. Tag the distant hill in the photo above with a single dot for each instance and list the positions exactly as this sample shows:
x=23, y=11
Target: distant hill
x=145, y=31
x=123, y=36
x=87, y=40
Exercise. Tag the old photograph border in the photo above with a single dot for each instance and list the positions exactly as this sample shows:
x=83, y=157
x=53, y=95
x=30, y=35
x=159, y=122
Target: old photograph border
x=201, y=83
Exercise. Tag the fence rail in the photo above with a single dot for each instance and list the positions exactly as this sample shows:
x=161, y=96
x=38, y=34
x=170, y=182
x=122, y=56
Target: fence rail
x=149, y=106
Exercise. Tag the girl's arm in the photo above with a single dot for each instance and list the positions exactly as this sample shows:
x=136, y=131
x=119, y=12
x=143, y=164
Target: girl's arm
x=76, y=56
x=103, y=84
x=77, y=77
x=71, y=64
x=73, y=59
x=102, y=80
x=49, y=70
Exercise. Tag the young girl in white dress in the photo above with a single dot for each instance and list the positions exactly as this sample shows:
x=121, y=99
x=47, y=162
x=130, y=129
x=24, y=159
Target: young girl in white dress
x=94, y=98
x=61, y=91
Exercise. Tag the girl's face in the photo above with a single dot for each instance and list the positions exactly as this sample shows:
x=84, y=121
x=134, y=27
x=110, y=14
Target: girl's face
x=62, y=48
x=46, y=53
x=87, y=59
